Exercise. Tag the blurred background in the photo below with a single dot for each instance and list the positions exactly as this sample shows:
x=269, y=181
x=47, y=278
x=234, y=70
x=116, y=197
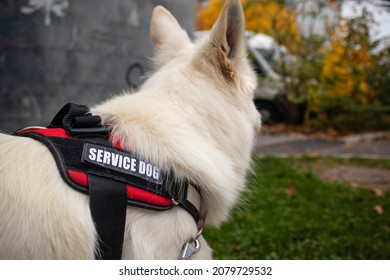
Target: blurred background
x=57, y=51
x=322, y=65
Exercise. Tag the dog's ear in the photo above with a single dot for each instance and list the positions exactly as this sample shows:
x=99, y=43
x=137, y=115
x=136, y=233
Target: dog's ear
x=225, y=48
x=167, y=36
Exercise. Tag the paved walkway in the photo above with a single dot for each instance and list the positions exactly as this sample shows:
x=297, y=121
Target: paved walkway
x=371, y=145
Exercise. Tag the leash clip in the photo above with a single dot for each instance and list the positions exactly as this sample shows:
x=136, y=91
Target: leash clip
x=189, y=250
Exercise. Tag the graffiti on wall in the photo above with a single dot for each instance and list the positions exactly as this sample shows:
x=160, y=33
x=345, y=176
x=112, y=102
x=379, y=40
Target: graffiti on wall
x=57, y=7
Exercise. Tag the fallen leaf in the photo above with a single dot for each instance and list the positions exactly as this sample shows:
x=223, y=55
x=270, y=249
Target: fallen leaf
x=354, y=185
x=249, y=215
x=379, y=192
x=291, y=190
x=379, y=209
x=348, y=145
x=311, y=155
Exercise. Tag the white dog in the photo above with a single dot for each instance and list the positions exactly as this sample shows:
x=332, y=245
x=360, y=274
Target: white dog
x=194, y=115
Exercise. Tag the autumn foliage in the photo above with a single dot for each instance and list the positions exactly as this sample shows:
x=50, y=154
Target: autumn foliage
x=337, y=75
x=261, y=16
x=348, y=61
x=350, y=98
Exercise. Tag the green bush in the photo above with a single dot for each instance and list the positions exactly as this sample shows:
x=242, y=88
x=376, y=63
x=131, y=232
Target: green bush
x=356, y=118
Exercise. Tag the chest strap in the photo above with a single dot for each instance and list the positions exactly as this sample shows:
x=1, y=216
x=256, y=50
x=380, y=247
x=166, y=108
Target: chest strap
x=108, y=204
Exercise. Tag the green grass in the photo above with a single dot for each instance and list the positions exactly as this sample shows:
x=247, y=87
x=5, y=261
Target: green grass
x=320, y=221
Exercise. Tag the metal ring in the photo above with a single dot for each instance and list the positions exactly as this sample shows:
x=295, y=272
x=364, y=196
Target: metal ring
x=174, y=201
x=197, y=244
x=199, y=233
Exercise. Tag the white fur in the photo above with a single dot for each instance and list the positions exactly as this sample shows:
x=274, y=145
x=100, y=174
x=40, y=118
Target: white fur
x=194, y=115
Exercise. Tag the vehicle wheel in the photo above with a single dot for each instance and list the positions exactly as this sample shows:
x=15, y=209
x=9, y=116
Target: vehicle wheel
x=268, y=112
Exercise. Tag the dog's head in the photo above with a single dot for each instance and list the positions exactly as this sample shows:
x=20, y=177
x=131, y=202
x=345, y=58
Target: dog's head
x=213, y=74
x=212, y=81
x=219, y=58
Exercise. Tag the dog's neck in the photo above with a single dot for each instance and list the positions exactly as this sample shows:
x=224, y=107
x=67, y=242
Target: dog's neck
x=158, y=133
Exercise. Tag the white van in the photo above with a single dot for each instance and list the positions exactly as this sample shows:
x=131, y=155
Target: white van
x=267, y=56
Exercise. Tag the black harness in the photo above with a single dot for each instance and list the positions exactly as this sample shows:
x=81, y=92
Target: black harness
x=113, y=177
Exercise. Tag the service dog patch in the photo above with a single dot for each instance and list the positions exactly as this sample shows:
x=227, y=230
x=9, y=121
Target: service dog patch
x=120, y=161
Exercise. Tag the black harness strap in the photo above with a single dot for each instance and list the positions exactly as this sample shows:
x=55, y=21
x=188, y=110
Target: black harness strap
x=108, y=204
x=181, y=198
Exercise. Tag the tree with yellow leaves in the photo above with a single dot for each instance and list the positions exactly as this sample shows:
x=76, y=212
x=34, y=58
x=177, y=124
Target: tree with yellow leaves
x=348, y=98
x=348, y=61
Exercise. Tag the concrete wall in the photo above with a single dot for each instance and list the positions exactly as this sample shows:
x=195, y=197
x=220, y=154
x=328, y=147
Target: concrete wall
x=80, y=51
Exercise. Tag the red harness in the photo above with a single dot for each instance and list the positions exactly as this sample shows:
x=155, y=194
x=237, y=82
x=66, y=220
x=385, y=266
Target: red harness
x=80, y=177
x=114, y=178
